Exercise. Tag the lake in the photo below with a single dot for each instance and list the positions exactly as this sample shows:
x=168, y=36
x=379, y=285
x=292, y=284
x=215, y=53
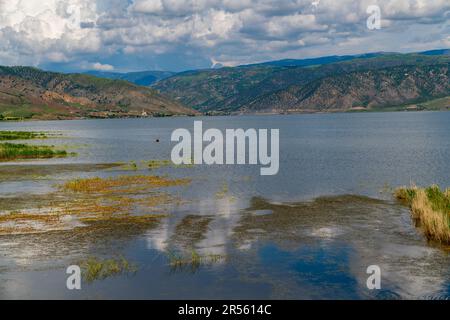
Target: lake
x=309, y=232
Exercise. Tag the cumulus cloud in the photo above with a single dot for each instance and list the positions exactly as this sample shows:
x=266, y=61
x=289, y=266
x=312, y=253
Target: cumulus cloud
x=101, y=67
x=183, y=34
x=34, y=31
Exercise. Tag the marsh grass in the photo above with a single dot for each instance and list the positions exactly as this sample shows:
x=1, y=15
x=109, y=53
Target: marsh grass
x=60, y=216
x=121, y=183
x=99, y=269
x=20, y=216
x=129, y=200
x=23, y=172
x=11, y=151
x=112, y=207
x=430, y=209
x=141, y=219
x=18, y=222
x=21, y=135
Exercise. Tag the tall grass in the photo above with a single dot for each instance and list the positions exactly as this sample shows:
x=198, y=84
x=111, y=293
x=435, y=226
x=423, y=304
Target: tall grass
x=430, y=209
x=11, y=151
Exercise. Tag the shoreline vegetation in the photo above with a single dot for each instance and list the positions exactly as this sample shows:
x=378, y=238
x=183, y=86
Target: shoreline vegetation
x=101, y=116
x=430, y=209
x=403, y=108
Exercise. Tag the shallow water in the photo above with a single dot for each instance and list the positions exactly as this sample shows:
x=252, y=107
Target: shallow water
x=309, y=232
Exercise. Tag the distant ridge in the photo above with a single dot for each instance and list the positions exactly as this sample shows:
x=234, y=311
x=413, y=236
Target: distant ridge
x=436, y=52
x=314, y=61
x=141, y=78
x=333, y=59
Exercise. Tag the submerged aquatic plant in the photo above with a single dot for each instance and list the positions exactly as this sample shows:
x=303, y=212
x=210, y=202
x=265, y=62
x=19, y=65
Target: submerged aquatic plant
x=430, y=209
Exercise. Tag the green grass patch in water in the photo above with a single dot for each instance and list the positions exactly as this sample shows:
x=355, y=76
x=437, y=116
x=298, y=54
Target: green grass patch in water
x=193, y=261
x=13, y=151
x=98, y=269
x=21, y=135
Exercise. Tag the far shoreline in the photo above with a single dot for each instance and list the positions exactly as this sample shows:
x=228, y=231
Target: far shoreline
x=240, y=114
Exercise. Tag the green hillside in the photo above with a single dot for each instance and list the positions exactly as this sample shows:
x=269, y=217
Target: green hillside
x=27, y=92
x=332, y=86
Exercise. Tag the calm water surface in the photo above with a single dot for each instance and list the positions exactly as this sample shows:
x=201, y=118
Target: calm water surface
x=309, y=232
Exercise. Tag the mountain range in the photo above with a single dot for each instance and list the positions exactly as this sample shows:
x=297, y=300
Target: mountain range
x=367, y=82
x=373, y=81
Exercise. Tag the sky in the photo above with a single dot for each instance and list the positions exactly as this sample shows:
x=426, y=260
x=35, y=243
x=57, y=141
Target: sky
x=176, y=35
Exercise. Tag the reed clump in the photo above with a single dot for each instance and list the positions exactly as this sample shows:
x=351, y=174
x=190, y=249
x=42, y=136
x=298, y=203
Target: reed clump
x=430, y=209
